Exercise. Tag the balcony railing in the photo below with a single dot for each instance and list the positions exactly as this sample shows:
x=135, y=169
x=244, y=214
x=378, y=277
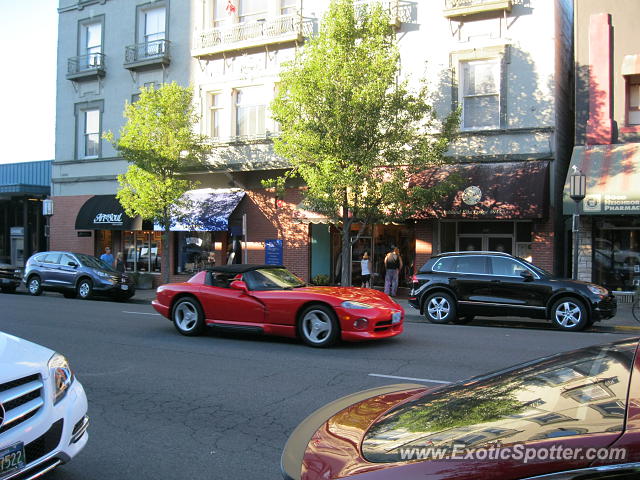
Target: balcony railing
x=85, y=66
x=400, y=11
x=147, y=55
x=285, y=28
x=462, y=8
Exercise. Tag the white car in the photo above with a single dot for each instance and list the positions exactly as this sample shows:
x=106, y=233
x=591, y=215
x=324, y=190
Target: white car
x=43, y=410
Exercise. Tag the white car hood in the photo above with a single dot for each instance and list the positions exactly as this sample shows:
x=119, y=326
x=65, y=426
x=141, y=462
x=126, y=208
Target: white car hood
x=19, y=358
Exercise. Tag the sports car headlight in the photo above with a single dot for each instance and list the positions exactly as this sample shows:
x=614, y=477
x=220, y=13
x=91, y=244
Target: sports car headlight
x=355, y=305
x=597, y=289
x=61, y=374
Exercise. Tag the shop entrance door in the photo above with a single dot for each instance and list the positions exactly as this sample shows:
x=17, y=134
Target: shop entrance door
x=492, y=243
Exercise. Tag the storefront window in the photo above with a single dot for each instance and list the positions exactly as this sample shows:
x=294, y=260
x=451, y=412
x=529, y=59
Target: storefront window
x=195, y=251
x=143, y=251
x=616, y=253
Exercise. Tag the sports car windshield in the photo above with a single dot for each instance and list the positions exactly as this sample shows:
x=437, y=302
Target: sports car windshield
x=582, y=392
x=272, y=279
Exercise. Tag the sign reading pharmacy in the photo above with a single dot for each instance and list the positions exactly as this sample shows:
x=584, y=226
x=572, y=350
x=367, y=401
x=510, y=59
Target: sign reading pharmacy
x=613, y=176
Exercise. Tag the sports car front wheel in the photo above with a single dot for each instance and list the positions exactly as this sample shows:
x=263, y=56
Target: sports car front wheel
x=318, y=326
x=187, y=316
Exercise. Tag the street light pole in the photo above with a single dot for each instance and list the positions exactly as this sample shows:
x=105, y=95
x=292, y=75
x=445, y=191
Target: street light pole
x=577, y=191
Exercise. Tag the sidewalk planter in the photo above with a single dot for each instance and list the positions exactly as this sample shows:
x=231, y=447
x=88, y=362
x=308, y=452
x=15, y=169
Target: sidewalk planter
x=144, y=281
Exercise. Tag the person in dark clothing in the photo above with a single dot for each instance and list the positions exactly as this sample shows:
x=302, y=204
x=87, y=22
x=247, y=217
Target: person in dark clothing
x=392, y=265
x=119, y=264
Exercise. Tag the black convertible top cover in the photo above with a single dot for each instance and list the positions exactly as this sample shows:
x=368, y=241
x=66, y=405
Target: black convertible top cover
x=240, y=268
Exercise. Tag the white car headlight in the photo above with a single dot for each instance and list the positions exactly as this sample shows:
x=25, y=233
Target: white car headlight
x=355, y=305
x=61, y=374
x=597, y=289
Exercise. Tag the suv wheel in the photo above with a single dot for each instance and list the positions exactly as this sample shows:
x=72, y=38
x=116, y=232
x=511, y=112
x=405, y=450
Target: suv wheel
x=34, y=285
x=439, y=308
x=85, y=288
x=569, y=314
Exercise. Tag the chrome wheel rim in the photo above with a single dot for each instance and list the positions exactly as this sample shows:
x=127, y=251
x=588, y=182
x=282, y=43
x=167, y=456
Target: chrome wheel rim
x=568, y=314
x=316, y=326
x=34, y=285
x=186, y=316
x=438, y=308
x=84, y=289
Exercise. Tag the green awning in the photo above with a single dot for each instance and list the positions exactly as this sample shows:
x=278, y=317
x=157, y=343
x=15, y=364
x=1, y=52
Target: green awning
x=613, y=179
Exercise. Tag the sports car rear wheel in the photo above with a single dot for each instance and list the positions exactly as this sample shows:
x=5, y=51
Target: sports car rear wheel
x=187, y=316
x=318, y=326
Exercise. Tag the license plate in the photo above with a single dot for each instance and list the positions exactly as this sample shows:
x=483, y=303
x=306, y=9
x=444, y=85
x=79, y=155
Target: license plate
x=396, y=317
x=124, y=287
x=11, y=459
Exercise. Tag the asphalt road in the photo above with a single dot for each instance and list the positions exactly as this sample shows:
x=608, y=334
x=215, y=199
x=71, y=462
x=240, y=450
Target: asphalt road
x=164, y=406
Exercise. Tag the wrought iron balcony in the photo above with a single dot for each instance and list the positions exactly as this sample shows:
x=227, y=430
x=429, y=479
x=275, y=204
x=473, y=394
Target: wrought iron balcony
x=400, y=11
x=239, y=36
x=85, y=66
x=462, y=8
x=147, y=55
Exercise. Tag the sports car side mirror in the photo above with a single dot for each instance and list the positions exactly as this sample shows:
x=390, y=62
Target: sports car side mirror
x=239, y=285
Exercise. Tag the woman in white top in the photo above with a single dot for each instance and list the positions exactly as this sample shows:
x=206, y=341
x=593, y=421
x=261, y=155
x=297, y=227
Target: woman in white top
x=365, y=268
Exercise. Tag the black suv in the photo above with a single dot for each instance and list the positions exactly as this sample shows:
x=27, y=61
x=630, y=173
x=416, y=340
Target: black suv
x=454, y=287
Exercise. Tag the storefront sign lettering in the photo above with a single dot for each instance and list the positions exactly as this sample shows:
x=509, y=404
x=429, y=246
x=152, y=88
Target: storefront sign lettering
x=598, y=202
x=108, y=218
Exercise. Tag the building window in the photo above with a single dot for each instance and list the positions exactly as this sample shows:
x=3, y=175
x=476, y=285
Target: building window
x=252, y=10
x=215, y=114
x=195, y=251
x=633, y=96
x=91, y=134
x=152, y=28
x=220, y=12
x=142, y=251
x=480, y=94
x=287, y=7
x=91, y=44
x=250, y=112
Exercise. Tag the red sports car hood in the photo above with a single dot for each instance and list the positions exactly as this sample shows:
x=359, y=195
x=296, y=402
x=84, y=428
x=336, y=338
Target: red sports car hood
x=357, y=294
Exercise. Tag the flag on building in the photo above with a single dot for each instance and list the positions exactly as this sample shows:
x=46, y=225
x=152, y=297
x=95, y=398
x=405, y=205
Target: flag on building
x=230, y=8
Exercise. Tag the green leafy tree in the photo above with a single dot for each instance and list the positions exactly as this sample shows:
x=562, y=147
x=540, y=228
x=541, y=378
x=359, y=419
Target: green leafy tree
x=353, y=132
x=158, y=140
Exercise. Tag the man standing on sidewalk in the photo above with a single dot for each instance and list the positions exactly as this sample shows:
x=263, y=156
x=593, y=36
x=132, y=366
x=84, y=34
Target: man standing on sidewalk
x=107, y=257
x=392, y=265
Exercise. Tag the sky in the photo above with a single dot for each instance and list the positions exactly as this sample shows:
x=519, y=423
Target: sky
x=28, y=45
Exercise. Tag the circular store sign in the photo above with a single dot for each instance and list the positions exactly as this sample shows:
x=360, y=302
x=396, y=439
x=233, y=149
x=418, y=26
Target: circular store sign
x=471, y=195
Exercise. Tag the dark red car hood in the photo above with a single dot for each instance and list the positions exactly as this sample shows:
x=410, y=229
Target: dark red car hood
x=356, y=294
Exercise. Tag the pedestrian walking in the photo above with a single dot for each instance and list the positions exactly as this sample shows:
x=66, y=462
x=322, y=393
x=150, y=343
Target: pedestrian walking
x=107, y=257
x=365, y=270
x=119, y=265
x=392, y=265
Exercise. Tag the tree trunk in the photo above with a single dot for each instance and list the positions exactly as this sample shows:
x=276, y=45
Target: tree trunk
x=165, y=250
x=345, y=279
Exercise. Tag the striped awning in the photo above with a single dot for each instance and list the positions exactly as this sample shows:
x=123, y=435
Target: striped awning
x=613, y=179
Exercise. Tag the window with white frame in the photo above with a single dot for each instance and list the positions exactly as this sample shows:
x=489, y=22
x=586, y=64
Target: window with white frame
x=91, y=44
x=480, y=93
x=215, y=114
x=288, y=7
x=633, y=102
x=91, y=133
x=151, y=28
x=250, y=111
x=252, y=10
x=221, y=11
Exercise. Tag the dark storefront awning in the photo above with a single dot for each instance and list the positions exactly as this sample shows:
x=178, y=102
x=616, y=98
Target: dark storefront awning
x=104, y=212
x=210, y=210
x=613, y=179
x=501, y=191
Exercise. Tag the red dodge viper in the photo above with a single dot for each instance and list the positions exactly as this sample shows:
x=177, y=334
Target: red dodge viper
x=271, y=300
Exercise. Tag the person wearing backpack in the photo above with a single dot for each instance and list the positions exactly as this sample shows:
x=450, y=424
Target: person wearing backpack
x=392, y=265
